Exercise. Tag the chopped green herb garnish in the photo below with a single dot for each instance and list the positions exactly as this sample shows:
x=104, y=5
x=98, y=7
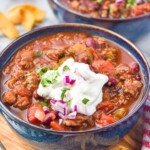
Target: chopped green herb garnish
x=38, y=54
x=85, y=101
x=28, y=82
x=44, y=104
x=55, y=68
x=111, y=11
x=66, y=68
x=42, y=70
x=52, y=75
x=131, y=3
x=98, y=1
x=49, y=78
x=45, y=82
x=69, y=102
x=64, y=90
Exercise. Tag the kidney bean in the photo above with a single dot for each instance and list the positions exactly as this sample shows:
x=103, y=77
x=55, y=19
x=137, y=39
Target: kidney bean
x=111, y=81
x=48, y=118
x=135, y=67
x=91, y=43
x=96, y=7
x=138, y=77
x=36, y=96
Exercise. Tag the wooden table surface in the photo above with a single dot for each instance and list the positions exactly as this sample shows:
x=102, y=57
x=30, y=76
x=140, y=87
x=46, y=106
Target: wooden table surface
x=13, y=141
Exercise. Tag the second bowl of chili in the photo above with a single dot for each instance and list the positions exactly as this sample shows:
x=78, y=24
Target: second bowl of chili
x=128, y=18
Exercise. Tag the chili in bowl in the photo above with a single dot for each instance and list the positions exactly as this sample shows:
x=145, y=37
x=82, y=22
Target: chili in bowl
x=128, y=18
x=72, y=80
x=110, y=8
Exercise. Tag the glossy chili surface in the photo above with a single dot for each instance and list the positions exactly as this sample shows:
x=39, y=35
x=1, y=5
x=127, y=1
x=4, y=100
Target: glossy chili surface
x=109, y=8
x=20, y=80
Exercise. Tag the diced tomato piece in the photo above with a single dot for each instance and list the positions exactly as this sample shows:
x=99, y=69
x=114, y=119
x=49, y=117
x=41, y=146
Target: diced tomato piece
x=141, y=9
x=137, y=10
x=40, y=115
x=105, y=106
x=102, y=66
x=35, y=114
x=56, y=126
x=106, y=119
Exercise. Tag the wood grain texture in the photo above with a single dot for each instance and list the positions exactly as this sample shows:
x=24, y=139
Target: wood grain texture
x=12, y=141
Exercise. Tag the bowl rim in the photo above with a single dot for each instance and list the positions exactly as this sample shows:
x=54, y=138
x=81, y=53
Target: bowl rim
x=94, y=130
x=96, y=18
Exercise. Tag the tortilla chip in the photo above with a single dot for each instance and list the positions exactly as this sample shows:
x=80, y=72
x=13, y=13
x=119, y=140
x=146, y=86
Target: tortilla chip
x=38, y=13
x=7, y=27
x=15, y=16
x=28, y=19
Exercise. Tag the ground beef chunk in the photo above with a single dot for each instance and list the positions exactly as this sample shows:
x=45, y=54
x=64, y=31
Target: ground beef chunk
x=10, y=97
x=132, y=87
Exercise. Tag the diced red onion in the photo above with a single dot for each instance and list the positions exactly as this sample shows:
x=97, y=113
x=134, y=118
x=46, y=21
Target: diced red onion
x=53, y=101
x=58, y=108
x=140, y=1
x=46, y=109
x=72, y=82
x=62, y=105
x=72, y=115
x=61, y=116
x=47, y=119
x=119, y=2
x=68, y=96
x=61, y=101
x=69, y=116
x=75, y=108
x=65, y=111
x=64, y=81
x=67, y=79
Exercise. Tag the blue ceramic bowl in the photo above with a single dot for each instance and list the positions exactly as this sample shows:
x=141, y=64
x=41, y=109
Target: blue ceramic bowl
x=103, y=136
x=131, y=28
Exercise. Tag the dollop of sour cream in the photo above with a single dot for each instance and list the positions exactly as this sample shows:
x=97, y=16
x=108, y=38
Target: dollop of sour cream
x=86, y=91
